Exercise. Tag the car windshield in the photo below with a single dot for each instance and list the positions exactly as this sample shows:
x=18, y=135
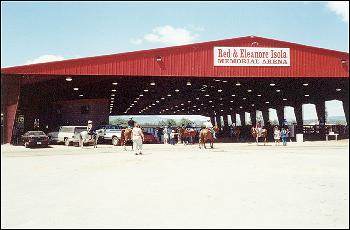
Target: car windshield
x=110, y=127
x=80, y=129
x=36, y=133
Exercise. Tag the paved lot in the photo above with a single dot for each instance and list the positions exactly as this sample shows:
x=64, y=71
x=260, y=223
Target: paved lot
x=302, y=185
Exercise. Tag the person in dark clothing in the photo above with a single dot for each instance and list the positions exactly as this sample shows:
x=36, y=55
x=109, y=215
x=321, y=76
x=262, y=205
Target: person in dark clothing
x=131, y=123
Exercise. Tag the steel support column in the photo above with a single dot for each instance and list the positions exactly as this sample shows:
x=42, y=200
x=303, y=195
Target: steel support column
x=346, y=109
x=321, y=112
x=280, y=114
x=266, y=117
x=253, y=117
x=233, y=119
x=298, y=111
x=242, y=117
x=212, y=120
x=9, y=103
x=218, y=121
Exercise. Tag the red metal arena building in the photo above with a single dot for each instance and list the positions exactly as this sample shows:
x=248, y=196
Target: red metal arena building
x=214, y=79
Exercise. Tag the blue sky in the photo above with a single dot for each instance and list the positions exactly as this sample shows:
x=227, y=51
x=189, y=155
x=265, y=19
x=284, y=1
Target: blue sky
x=46, y=31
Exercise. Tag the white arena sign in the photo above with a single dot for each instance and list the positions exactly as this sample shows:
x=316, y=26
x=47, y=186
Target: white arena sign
x=251, y=56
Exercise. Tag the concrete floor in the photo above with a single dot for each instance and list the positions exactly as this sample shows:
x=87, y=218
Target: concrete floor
x=240, y=185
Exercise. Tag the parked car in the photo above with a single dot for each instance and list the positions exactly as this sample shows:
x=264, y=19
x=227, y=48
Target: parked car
x=35, y=138
x=149, y=138
x=112, y=133
x=66, y=134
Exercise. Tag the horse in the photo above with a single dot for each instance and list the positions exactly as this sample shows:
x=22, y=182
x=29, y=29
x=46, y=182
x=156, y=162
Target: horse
x=205, y=135
x=126, y=137
x=256, y=135
x=84, y=137
x=184, y=134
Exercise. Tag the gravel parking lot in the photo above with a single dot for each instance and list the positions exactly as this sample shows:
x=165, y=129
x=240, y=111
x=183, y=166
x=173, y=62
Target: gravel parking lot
x=239, y=185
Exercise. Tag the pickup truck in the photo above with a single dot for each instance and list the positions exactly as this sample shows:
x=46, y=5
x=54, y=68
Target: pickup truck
x=66, y=134
x=112, y=133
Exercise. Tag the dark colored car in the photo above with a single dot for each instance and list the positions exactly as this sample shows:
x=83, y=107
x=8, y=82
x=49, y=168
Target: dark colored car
x=149, y=138
x=35, y=138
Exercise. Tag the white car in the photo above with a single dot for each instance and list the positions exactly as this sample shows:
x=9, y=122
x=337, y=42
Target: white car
x=112, y=133
x=66, y=134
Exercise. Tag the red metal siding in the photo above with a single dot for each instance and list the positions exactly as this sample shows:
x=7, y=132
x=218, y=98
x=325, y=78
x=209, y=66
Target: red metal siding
x=196, y=60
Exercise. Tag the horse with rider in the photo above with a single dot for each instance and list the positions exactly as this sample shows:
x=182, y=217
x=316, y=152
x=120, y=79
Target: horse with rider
x=208, y=133
x=259, y=132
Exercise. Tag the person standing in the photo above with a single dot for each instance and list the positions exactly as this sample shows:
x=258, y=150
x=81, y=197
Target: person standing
x=166, y=136
x=277, y=135
x=137, y=139
x=284, y=135
x=131, y=123
x=90, y=129
x=172, y=137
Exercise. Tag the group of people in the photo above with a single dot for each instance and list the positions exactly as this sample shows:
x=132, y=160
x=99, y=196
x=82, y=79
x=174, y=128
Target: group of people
x=136, y=135
x=280, y=134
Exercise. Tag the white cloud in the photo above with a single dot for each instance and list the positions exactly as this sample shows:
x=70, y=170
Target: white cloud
x=45, y=58
x=169, y=35
x=340, y=8
x=136, y=41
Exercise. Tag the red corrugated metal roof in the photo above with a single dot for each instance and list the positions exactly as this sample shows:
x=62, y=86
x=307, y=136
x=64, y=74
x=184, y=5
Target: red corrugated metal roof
x=196, y=60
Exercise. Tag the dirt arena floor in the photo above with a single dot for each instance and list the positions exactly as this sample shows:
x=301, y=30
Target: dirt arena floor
x=239, y=185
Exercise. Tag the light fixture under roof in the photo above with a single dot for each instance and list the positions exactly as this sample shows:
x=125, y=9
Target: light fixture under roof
x=112, y=95
x=267, y=102
x=81, y=95
x=241, y=107
x=231, y=101
x=114, y=90
x=188, y=83
x=272, y=84
x=152, y=83
x=284, y=99
x=306, y=95
x=207, y=95
x=305, y=84
x=146, y=90
x=233, y=95
x=76, y=89
x=238, y=84
x=259, y=95
x=219, y=90
x=338, y=90
x=157, y=101
x=244, y=98
x=115, y=83
x=210, y=101
x=278, y=90
x=224, y=81
x=169, y=95
x=141, y=95
x=177, y=90
x=69, y=79
x=253, y=105
x=249, y=90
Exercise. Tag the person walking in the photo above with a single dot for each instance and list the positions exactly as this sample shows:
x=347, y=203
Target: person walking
x=166, y=135
x=284, y=135
x=276, y=135
x=172, y=137
x=137, y=139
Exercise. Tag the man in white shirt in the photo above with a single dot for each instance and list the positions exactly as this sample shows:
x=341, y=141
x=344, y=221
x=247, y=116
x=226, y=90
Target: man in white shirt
x=137, y=139
x=209, y=126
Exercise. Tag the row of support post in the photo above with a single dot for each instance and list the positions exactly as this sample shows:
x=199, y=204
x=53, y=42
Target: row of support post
x=298, y=111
